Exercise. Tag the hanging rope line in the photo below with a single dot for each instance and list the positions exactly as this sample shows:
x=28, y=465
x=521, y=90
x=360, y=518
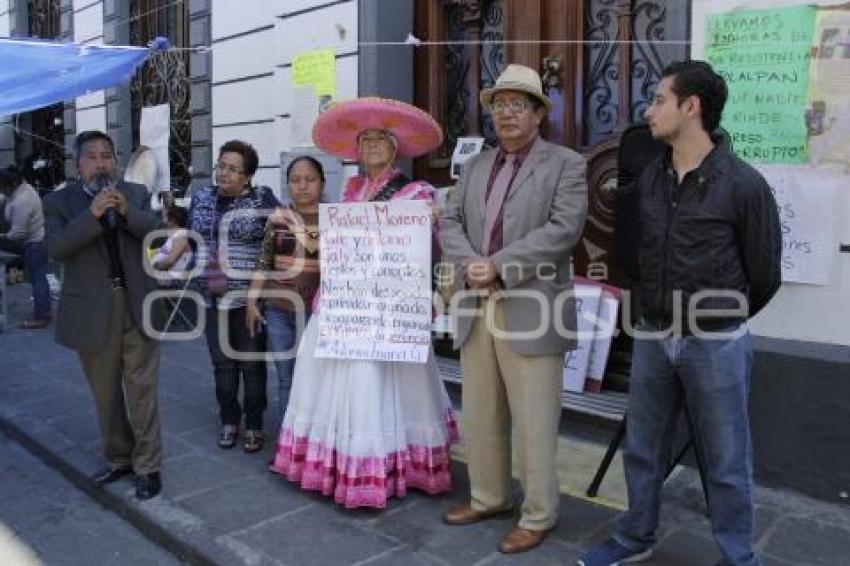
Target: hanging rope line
x=416, y=42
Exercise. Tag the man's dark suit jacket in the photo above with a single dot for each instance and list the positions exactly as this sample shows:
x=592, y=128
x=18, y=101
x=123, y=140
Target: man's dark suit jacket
x=75, y=238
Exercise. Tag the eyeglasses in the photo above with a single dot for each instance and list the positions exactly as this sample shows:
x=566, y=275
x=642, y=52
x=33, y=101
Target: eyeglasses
x=516, y=105
x=220, y=166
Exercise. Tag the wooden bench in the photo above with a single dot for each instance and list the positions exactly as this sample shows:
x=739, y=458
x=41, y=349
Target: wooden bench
x=609, y=405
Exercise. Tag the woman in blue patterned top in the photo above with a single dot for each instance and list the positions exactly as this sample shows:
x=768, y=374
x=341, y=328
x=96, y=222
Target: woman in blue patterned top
x=230, y=217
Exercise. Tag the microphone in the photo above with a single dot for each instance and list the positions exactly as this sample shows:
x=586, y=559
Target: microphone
x=101, y=181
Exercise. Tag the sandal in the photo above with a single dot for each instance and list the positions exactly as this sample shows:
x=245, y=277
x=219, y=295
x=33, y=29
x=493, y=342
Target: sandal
x=227, y=436
x=253, y=441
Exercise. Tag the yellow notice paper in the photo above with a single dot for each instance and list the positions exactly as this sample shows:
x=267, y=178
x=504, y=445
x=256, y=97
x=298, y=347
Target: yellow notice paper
x=316, y=68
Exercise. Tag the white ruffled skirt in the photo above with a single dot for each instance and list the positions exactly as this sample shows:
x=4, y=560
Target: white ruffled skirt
x=364, y=431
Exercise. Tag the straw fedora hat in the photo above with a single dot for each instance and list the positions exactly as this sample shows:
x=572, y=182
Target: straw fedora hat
x=518, y=78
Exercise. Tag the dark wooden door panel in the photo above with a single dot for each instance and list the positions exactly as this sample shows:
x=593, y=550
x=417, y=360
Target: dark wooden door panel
x=600, y=61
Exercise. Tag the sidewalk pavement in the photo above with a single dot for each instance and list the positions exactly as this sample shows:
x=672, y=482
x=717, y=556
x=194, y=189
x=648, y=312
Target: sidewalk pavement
x=223, y=507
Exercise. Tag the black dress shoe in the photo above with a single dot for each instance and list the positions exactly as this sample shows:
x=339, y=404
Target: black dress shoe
x=110, y=474
x=148, y=485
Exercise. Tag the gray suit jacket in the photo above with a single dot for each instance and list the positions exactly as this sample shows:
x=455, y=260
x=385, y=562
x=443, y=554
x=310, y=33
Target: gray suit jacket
x=544, y=214
x=74, y=238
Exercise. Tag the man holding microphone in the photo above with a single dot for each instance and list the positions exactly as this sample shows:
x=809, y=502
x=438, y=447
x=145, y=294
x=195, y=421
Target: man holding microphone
x=95, y=228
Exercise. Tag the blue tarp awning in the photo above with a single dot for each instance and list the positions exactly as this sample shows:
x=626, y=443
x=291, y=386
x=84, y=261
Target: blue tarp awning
x=34, y=73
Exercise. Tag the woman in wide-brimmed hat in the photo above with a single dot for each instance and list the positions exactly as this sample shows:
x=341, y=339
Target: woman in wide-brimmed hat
x=360, y=430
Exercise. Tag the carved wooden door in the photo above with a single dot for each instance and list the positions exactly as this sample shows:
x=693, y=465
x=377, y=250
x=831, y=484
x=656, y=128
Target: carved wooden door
x=600, y=61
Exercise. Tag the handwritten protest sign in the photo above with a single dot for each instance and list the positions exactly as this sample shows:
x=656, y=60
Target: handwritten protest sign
x=807, y=200
x=375, y=281
x=764, y=56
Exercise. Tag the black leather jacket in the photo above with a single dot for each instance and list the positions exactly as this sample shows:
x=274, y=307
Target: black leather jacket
x=717, y=230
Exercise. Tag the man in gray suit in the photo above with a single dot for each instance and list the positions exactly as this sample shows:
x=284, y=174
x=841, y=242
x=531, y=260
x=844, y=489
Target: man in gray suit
x=95, y=227
x=508, y=230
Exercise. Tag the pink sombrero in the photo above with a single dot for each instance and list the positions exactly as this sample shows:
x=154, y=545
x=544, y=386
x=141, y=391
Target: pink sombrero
x=336, y=129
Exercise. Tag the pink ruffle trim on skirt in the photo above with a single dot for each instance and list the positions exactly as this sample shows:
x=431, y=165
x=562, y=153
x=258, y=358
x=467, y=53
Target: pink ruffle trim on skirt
x=356, y=481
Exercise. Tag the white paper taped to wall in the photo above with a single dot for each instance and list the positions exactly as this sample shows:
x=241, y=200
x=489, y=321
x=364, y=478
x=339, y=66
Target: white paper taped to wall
x=305, y=110
x=154, y=132
x=807, y=200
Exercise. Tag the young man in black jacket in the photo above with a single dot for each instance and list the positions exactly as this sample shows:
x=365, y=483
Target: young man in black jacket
x=709, y=254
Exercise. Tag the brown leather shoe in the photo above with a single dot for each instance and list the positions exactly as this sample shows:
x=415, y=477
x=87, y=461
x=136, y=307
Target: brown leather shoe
x=520, y=540
x=466, y=515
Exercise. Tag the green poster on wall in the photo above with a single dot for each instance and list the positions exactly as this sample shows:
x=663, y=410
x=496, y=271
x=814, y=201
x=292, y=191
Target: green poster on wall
x=764, y=56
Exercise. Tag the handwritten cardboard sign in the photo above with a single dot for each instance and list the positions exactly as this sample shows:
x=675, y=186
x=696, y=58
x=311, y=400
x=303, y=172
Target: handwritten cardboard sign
x=375, y=301
x=764, y=56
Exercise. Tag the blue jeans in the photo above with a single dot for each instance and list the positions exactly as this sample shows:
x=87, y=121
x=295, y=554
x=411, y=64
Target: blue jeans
x=713, y=378
x=35, y=256
x=282, y=335
x=228, y=371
